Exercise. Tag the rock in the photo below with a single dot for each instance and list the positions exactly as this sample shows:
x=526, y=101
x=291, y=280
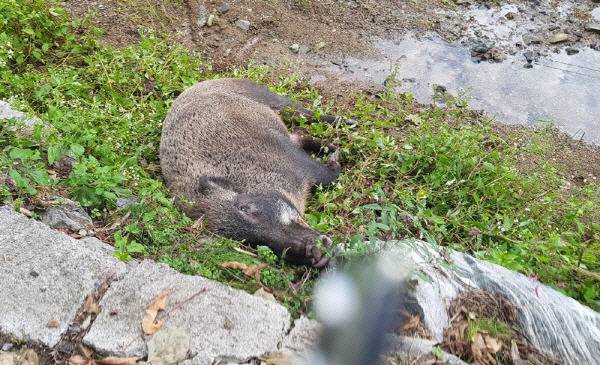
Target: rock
x=24, y=356
x=303, y=337
x=319, y=46
x=463, y=2
x=201, y=16
x=303, y=49
x=7, y=181
x=68, y=271
x=212, y=19
x=528, y=56
x=571, y=51
x=528, y=65
x=223, y=8
x=168, y=346
x=243, y=24
x=592, y=27
x=8, y=346
x=127, y=202
x=558, y=38
x=223, y=323
x=69, y=215
x=262, y=293
x=510, y=15
x=295, y=48
x=531, y=39
x=480, y=48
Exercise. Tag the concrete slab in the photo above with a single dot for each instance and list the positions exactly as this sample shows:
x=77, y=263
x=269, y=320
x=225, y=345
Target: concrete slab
x=224, y=323
x=45, y=276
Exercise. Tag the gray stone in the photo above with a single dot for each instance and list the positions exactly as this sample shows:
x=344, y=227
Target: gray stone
x=510, y=15
x=303, y=337
x=169, y=345
x=531, y=39
x=201, y=16
x=295, y=48
x=558, y=38
x=23, y=119
x=571, y=51
x=223, y=8
x=8, y=346
x=69, y=215
x=223, y=323
x=303, y=49
x=553, y=322
x=127, y=202
x=319, y=46
x=68, y=270
x=592, y=27
x=243, y=24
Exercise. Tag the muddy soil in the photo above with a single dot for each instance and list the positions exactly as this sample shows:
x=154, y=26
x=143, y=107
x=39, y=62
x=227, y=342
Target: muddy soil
x=314, y=37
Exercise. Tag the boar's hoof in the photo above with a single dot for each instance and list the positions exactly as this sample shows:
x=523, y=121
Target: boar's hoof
x=320, y=260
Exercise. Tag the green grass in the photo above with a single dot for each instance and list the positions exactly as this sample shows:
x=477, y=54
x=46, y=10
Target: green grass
x=437, y=174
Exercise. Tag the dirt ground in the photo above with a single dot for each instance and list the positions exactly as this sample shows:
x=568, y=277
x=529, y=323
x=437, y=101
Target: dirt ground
x=326, y=32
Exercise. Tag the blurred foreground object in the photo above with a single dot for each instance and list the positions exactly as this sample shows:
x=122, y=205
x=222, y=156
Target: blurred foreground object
x=357, y=307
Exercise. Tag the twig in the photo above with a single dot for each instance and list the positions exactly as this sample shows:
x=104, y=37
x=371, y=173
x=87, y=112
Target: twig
x=245, y=252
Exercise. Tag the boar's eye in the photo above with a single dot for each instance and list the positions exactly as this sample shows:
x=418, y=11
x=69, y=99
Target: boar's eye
x=248, y=210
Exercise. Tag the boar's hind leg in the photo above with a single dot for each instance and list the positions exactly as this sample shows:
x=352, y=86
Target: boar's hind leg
x=293, y=110
x=309, y=144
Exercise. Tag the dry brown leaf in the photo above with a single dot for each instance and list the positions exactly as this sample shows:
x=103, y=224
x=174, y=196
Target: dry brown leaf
x=79, y=360
x=52, y=323
x=234, y=265
x=150, y=324
x=85, y=351
x=478, y=347
x=278, y=358
x=492, y=343
x=254, y=269
x=94, y=309
x=412, y=323
x=514, y=352
x=248, y=270
x=111, y=360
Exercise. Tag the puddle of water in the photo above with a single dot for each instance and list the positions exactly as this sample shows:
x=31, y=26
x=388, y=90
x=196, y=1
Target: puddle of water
x=559, y=88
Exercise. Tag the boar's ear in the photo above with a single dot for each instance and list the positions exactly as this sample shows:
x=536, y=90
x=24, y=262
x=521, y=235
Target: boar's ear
x=211, y=185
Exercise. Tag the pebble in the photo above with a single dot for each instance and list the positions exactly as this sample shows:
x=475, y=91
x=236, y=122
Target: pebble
x=528, y=65
x=295, y=48
x=592, y=27
x=223, y=8
x=528, y=56
x=510, y=15
x=319, y=46
x=303, y=49
x=558, y=38
x=8, y=346
x=243, y=24
x=531, y=39
x=571, y=51
x=212, y=19
x=201, y=16
x=34, y=273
